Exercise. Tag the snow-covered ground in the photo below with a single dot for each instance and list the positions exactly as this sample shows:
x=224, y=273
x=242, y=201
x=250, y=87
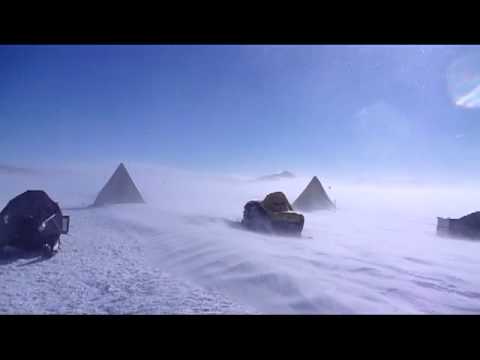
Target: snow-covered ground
x=184, y=252
x=100, y=270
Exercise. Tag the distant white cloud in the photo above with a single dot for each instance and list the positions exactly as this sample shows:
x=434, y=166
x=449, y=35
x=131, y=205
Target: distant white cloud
x=459, y=136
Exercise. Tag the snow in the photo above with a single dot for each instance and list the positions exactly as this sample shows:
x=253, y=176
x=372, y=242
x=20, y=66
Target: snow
x=100, y=270
x=184, y=252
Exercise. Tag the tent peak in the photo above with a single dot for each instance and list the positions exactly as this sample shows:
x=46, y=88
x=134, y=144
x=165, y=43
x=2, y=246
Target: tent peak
x=313, y=197
x=119, y=189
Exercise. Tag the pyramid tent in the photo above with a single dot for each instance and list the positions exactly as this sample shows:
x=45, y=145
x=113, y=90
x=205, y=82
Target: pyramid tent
x=119, y=189
x=313, y=197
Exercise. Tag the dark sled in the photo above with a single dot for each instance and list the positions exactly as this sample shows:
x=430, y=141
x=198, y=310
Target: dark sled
x=33, y=222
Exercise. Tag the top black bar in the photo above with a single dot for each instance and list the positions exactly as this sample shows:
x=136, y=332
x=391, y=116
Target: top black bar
x=317, y=28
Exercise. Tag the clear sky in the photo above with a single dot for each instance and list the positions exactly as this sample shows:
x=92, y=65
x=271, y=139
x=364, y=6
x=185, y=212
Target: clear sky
x=244, y=108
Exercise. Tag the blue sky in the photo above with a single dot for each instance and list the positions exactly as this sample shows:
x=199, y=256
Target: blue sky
x=392, y=109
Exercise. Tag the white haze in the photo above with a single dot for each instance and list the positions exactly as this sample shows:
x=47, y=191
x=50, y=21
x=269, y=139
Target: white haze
x=378, y=253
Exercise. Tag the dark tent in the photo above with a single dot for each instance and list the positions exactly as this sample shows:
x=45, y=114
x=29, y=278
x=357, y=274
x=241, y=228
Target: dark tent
x=314, y=197
x=32, y=221
x=119, y=189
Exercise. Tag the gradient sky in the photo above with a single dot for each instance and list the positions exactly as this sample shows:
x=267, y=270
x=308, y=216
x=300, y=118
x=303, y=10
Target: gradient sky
x=396, y=109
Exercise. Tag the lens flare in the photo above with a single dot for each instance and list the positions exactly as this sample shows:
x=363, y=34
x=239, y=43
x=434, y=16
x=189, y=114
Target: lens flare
x=463, y=77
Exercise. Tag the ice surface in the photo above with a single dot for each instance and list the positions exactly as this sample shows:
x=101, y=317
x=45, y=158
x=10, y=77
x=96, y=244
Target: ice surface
x=183, y=251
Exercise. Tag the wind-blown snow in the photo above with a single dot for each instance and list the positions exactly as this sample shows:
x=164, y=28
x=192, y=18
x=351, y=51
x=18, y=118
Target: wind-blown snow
x=100, y=270
x=184, y=251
